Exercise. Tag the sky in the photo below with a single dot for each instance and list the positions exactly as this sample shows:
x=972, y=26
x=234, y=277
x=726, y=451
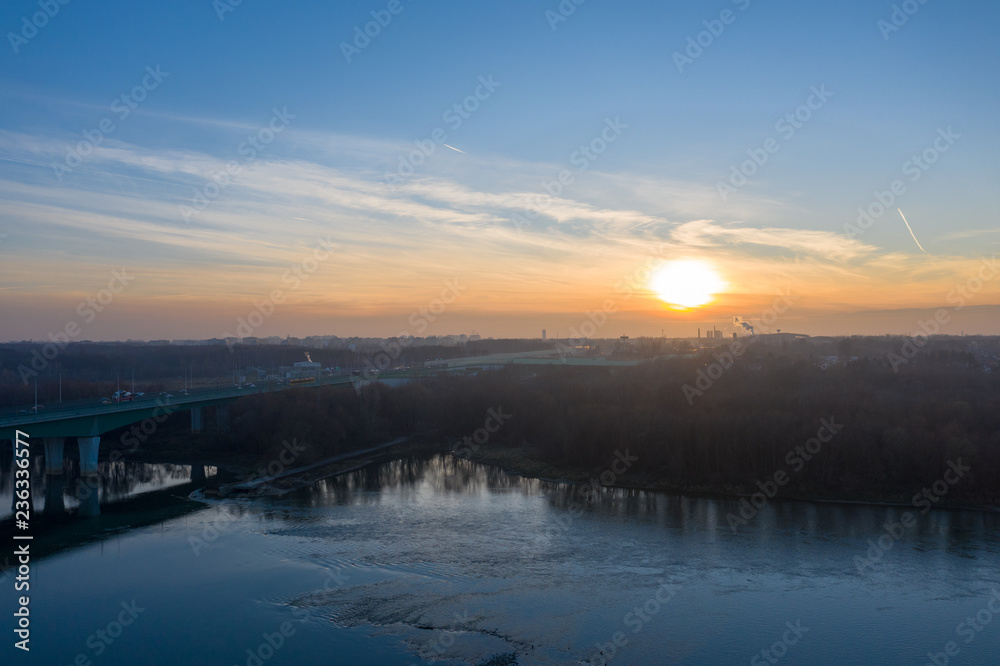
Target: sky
x=431, y=168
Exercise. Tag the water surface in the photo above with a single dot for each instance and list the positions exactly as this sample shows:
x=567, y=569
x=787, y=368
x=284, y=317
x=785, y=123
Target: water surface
x=439, y=560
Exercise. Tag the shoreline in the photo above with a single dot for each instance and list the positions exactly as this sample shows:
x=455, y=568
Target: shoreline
x=308, y=475
x=516, y=461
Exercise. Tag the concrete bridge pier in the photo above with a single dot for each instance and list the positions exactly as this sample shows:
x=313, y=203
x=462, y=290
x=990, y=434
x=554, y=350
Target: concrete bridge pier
x=197, y=473
x=54, y=491
x=53, y=455
x=196, y=420
x=89, y=447
x=222, y=417
x=90, y=504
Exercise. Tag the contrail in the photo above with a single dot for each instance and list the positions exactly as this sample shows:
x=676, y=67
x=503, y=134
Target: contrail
x=912, y=234
x=453, y=148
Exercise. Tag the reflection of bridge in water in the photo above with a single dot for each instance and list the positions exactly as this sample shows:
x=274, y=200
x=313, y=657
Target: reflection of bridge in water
x=115, y=481
x=70, y=511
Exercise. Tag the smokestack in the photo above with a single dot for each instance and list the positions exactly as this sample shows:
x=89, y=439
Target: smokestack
x=746, y=325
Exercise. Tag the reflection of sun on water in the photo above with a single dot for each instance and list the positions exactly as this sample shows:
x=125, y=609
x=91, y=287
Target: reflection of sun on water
x=686, y=283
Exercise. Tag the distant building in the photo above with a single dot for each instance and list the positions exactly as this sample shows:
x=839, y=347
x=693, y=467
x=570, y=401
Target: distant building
x=300, y=370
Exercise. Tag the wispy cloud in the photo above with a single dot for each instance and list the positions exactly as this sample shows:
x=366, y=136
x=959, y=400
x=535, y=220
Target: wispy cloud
x=817, y=244
x=395, y=247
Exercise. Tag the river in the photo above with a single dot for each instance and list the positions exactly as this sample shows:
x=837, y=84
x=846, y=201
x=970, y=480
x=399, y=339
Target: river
x=439, y=560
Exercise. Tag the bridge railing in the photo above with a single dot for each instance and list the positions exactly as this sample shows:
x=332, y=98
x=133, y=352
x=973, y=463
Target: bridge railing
x=175, y=402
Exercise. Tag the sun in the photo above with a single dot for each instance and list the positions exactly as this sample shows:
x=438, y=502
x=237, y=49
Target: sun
x=686, y=283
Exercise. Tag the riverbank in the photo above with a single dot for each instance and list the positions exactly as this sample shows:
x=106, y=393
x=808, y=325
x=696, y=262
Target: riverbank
x=301, y=477
x=180, y=446
x=526, y=461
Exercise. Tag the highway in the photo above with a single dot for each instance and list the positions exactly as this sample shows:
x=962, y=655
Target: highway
x=22, y=415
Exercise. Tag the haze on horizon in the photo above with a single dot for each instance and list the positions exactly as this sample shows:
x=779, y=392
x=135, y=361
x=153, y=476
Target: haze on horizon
x=523, y=164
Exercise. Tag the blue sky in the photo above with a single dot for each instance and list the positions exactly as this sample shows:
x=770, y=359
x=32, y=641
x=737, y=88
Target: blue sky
x=652, y=192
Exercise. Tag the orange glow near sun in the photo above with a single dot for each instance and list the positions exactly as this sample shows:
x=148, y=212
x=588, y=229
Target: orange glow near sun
x=686, y=284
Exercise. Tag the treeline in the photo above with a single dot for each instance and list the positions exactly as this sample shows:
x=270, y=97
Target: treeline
x=896, y=432
x=92, y=370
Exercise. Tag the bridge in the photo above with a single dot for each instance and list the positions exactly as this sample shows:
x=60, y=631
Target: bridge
x=88, y=420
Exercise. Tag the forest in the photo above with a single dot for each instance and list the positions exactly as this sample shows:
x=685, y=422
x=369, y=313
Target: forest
x=893, y=433
x=837, y=416
x=96, y=369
